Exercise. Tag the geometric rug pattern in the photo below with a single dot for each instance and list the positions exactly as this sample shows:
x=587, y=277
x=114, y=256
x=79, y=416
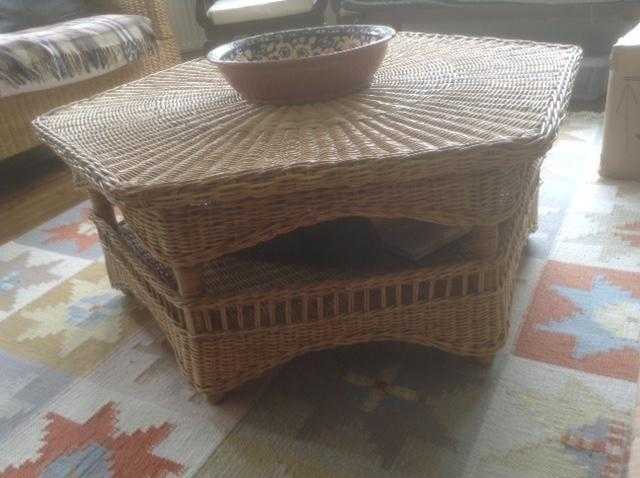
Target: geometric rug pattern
x=587, y=318
x=89, y=387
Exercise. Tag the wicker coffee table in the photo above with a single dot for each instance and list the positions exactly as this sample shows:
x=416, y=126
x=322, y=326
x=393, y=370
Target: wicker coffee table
x=452, y=130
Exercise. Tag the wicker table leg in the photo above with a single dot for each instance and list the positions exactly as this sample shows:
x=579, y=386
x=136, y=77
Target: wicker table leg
x=484, y=243
x=189, y=280
x=102, y=208
x=190, y=284
x=533, y=221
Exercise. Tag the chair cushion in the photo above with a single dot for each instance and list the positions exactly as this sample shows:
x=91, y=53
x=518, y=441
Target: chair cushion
x=20, y=14
x=51, y=56
x=224, y=12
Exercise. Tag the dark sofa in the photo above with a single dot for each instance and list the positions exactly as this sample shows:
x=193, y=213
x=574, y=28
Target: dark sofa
x=593, y=25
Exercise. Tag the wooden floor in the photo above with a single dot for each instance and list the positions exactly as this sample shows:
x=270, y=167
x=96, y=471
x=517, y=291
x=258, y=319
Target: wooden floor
x=34, y=187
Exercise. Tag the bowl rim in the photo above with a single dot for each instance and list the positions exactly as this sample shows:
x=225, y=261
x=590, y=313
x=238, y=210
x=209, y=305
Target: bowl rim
x=216, y=53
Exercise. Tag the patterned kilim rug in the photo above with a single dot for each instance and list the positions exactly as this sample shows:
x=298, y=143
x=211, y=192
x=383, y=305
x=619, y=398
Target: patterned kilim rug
x=88, y=387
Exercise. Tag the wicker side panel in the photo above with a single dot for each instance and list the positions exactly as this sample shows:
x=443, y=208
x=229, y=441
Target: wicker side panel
x=192, y=235
x=217, y=362
x=121, y=277
x=17, y=112
x=471, y=321
x=220, y=365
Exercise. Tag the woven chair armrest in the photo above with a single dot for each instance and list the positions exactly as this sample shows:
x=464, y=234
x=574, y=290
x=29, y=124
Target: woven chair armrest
x=156, y=10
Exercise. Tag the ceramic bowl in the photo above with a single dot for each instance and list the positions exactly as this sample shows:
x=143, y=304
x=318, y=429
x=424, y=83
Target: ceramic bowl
x=304, y=65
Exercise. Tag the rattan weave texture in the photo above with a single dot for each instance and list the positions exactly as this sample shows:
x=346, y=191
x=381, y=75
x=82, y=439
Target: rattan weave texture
x=452, y=130
x=460, y=305
x=200, y=173
x=184, y=136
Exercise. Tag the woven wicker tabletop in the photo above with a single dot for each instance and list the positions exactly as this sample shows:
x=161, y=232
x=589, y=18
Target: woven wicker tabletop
x=436, y=102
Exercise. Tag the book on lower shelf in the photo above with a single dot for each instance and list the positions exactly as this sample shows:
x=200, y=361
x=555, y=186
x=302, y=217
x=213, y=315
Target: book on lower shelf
x=357, y=240
x=414, y=240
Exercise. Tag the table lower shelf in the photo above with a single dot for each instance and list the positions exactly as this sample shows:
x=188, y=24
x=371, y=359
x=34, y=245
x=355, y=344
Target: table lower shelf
x=255, y=314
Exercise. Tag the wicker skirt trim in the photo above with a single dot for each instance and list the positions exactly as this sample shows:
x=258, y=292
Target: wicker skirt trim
x=193, y=235
x=240, y=277
x=221, y=344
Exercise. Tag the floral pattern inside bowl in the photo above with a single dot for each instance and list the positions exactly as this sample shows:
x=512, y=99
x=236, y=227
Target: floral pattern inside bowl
x=305, y=65
x=304, y=43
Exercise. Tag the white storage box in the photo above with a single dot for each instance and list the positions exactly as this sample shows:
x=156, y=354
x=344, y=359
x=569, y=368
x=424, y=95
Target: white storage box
x=621, y=143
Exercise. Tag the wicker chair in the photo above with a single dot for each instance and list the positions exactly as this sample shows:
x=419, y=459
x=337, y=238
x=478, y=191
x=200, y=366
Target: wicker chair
x=17, y=112
x=218, y=34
